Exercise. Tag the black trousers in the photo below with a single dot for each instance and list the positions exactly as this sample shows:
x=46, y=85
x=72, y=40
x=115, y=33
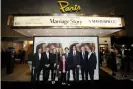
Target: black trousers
x=84, y=72
x=75, y=71
x=63, y=77
x=91, y=73
x=53, y=73
x=38, y=71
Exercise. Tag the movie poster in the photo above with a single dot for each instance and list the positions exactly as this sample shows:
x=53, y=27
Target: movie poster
x=80, y=55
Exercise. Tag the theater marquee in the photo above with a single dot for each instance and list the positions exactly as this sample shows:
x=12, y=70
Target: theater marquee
x=68, y=21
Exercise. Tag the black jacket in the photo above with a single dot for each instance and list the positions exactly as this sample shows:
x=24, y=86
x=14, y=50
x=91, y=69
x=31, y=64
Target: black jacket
x=92, y=61
x=73, y=62
x=36, y=62
x=83, y=61
x=45, y=60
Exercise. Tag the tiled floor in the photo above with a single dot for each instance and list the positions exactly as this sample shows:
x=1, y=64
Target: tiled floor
x=118, y=74
x=21, y=73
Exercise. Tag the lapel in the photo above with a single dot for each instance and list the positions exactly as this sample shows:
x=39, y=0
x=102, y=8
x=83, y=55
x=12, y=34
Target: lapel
x=37, y=56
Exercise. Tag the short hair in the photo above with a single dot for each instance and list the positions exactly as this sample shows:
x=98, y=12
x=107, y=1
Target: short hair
x=66, y=48
x=73, y=46
x=89, y=45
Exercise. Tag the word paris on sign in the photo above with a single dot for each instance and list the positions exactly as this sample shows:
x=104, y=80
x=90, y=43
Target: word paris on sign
x=65, y=7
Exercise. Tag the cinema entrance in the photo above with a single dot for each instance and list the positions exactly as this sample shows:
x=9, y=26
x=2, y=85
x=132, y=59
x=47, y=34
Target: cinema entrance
x=67, y=25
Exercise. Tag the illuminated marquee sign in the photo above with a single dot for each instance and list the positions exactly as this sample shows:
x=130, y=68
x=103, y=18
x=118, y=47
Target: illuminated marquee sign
x=70, y=21
x=65, y=7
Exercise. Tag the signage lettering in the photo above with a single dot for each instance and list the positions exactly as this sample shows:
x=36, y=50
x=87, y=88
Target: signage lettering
x=65, y=22
x=65, y=7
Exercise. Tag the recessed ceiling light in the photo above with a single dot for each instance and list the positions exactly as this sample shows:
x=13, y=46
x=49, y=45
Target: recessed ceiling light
x=47, y=31
x=34, y=34
x=100, y=32
x=50, y=34
x=28, y=31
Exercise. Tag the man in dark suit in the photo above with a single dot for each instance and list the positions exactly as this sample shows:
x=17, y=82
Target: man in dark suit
x=91, y=61
x=36, y=64
x=83, y=65
x=46, y=59
x=73, y=63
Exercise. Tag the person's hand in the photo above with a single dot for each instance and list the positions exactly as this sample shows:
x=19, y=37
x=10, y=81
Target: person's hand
x=48, y=65
x=57, y=66
x=78, y=66
x=54, y=64
x=33, y=67
x=60, y=72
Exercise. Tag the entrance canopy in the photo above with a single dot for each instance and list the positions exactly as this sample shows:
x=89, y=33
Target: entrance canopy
x=66, y=25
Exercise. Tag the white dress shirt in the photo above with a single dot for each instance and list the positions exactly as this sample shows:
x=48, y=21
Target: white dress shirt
x=47, y=53
x=74, y=53
x=83, y=54
x=89, y=55
x=39, y=56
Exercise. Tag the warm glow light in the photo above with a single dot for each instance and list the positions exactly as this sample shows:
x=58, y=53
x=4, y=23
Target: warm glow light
x=94, y=15
x=30, y=42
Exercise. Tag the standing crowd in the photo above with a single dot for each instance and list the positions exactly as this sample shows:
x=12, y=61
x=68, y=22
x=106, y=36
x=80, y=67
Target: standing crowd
x=118, y=60
x=60, y=63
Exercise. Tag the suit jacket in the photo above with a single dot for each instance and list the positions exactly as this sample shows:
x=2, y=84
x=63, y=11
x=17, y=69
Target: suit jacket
x=73, y=62
x=36, y=62
x=92, y=61
x=83, y=61
x=45, y=60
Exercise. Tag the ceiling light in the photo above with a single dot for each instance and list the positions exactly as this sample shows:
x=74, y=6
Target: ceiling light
x=49, y=34
x=100, y=32
x=28, y=31
x=94, y=15
x=47, y=31
x=34, y=34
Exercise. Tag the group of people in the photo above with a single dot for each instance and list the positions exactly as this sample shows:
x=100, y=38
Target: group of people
x=118, y=60
x=60, y=63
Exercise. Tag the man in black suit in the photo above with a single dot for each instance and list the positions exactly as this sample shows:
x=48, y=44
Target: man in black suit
x=73, y=63
x=46, y=59
x=36, y=64
x=91, y=61
x=83, y=65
